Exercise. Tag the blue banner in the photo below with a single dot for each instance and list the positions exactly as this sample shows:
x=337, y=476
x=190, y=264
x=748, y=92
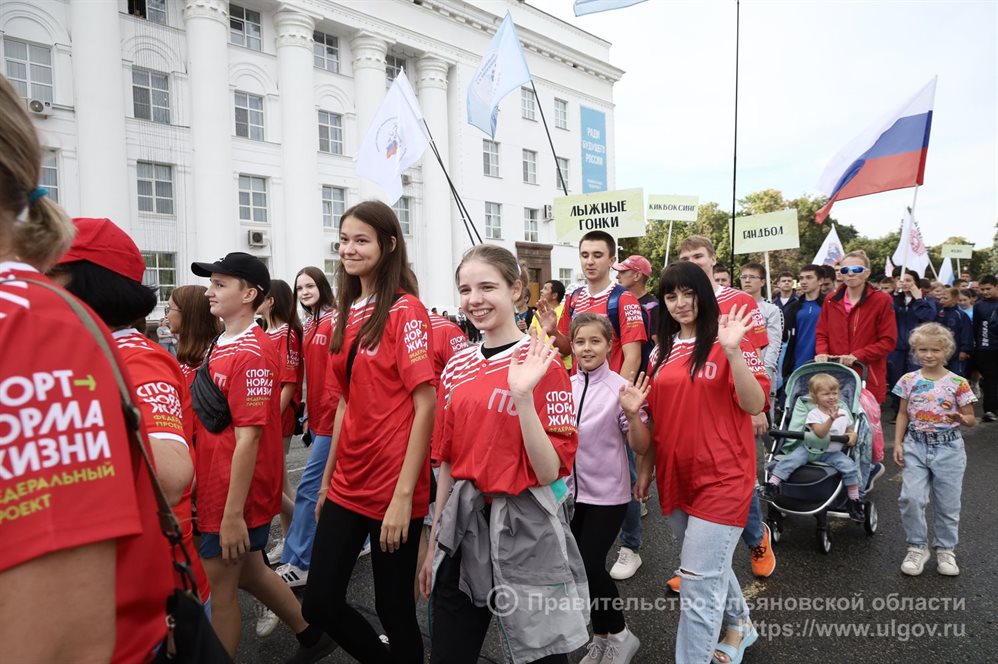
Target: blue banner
x=593, y=150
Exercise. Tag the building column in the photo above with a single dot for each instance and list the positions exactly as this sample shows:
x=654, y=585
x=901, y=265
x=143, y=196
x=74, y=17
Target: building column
x=436, y=258
x=207, y=27
x=297, y=238
x=369, y=52
x=100, y=111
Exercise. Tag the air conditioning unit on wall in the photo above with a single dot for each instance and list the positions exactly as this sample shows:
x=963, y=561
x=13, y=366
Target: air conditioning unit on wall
x=547, y=214
x=39, y=107
x=406, y=179
x=257, y=238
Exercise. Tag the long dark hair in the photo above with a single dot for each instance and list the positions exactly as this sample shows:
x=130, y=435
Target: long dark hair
x=326, y=299
x=391, y=274
x=685, y=276
x=117, y=299
x=197, y=324
x=284, y=309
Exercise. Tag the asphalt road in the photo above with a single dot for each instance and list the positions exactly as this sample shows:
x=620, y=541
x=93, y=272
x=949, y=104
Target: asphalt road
x=851, y=605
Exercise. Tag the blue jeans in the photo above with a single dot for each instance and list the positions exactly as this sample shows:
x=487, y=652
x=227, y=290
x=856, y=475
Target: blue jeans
x=936, y=469
x=630, y=532
x=301, y=533
x=710, y=596
x=752, y=533
x=837, y=460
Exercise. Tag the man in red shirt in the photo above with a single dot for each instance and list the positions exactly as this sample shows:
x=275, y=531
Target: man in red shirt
x=240, y=465
x=597, y=251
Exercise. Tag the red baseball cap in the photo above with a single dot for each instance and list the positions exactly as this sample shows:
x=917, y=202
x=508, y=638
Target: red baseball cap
x=102, y=243
x=636, y=263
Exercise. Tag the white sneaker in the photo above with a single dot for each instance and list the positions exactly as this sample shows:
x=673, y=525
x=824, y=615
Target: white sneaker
x=266, y=621
x=914, y=561
x=274, y=555
x=621, y=652
x=595, y=650
x=644, y=508
x=946, y=563
x=627, y=564
x=366, y=550
x=293, y=575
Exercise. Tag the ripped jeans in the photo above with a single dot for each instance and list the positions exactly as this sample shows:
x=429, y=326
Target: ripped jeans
x=710, y=596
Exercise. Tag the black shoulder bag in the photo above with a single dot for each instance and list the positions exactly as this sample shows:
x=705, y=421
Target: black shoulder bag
x=190, y=638
x=210, y=404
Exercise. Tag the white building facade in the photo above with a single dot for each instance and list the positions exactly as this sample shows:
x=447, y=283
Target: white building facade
x=204, y=126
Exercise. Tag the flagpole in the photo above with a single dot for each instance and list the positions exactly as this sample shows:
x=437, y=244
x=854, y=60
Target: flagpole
x=911, y=229
x=461, y=209
x=734, y=167
x=769, y=279
x=668, y=243
x=557, y=167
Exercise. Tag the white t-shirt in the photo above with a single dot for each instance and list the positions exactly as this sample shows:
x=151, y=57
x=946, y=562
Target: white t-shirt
x=839, y=426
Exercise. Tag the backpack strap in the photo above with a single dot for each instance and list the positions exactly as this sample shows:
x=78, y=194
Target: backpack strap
x=613, y=308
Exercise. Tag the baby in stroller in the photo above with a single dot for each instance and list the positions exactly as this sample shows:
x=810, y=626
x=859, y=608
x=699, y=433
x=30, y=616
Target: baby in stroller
x=826, y=417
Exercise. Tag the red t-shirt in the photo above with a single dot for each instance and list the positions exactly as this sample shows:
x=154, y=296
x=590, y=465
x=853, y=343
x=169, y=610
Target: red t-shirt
x=69, y=476
x=288, y=346
x=631, y=322
x=481, y=436
x=321, y=394
x=246, y=370
x=704, y=445
x=379, y=414
x=730, y=298
x=163, y=396
x=448, y=339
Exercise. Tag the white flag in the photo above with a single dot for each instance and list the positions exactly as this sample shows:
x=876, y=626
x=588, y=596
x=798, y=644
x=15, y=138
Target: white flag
x=395, y=140
x=946, y=272
x=889, y=268
x=831, y=251
x=917, y=255
x=502, y=70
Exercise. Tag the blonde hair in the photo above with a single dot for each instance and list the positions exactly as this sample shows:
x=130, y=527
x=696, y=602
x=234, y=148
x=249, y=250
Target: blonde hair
x=696, y=242
x=822, y=381
x=859, y=255
x=498, y=257
x=927, y=331
x=42, y=232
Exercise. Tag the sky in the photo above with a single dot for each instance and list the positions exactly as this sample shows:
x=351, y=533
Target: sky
x=812, y=76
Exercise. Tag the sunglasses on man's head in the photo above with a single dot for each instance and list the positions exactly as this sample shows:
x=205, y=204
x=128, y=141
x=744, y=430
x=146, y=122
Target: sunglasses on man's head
x=852, y=269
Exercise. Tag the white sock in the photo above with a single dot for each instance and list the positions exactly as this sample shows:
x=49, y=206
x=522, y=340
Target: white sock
x=619, y=637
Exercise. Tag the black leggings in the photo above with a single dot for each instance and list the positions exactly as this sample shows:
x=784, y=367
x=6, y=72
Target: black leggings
x=459, y=627
x=595, y=528
x=338, y=540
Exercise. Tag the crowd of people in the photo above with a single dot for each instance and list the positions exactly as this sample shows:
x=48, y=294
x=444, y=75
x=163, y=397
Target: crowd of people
x=509, y=451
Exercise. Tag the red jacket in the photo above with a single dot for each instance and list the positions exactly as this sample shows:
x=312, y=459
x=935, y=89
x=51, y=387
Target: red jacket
x=869, y=332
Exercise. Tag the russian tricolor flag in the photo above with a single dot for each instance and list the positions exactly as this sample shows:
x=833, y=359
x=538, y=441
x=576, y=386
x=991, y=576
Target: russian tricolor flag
x=889, y=155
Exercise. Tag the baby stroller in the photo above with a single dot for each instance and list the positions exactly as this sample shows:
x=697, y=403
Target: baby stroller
x=816, y=489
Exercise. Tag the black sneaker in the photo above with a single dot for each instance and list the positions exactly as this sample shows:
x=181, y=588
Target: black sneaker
x=990, y=417
x=767, y=491
x=876, y=470
x=323, y=647
x=857, y=512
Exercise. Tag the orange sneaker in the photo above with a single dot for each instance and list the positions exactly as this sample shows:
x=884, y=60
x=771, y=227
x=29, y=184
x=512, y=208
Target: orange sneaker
x=763, y=559
x=673, y=584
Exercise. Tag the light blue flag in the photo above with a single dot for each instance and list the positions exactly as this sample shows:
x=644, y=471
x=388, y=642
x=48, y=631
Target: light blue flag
x=503, y=69
x=583, y=7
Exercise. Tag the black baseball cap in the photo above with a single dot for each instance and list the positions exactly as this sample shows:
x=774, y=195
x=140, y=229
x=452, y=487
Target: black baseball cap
x=237, y=264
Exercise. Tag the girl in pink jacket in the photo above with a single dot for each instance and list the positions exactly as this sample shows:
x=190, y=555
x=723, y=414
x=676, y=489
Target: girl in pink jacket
x=600, y=481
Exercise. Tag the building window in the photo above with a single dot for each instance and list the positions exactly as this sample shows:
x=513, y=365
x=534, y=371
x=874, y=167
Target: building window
x=393, y=65
x=565, y=275
x=244, y=27
x=330, y=132
x=161, y=272
x=493, y=221
x=29, y=68
x=530, y=216
x=151, y=96
x=249, y=116
x=403, y=210
x=252, y=198
x=155, y=188
x=330, y=266
x=152, y=10
x=561, y=114
x=490, y=157
x=528, y=104
x=530, y=167
x=326, y=52
x=563, y=168
x=50, y=175
x=333, y=204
